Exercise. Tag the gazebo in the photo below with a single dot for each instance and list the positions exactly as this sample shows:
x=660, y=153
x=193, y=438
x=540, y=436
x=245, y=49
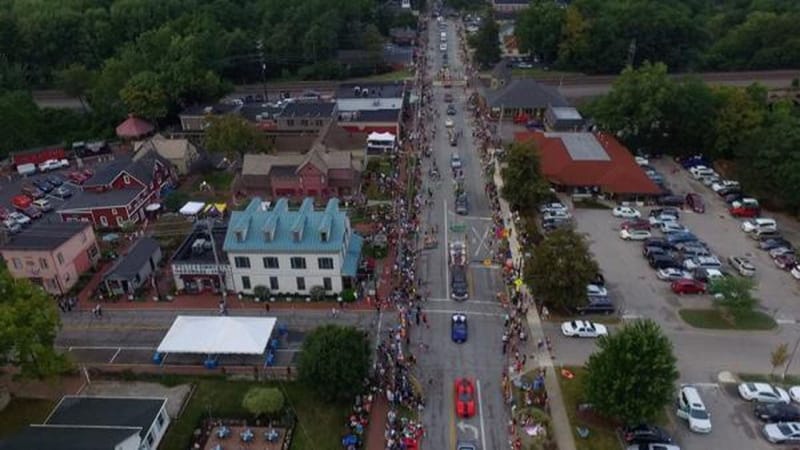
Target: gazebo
x=134, y=128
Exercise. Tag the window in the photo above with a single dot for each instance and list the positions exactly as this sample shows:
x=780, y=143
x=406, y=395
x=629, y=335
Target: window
x=301, y=284
x=304, y=123
x=241, y=262
x=246, y=283
x=126, y=179
x=327, y=284
x=103, y=221
x=325, y=263
x=60, y=258
x=150, y=439
x=161, y=418
x=318, y=123
x=120, y=220
x=114, y=211
x=290, y=123
x=271, y=262
x=43, y=263
x=273, y=283
x=298, y=262
x=17, y=263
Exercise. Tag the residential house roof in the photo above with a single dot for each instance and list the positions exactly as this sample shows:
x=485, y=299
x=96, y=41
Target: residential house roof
x=392, y=89
x=402, y=34
x=290, y=164
x=220, y=108
x=69, y=437
x=308, y=109
x=130, y=264
x=397, y=55
x=45, y=236
x=134, y=127
x=167, y=148
x=186, y=254
x=338, y=138
x=257, y=112
x=525, y=93
x=585, y=159
x=141, y=168
x=262, y=228
x=135, y=412
x=83, y=200
x=372, y=115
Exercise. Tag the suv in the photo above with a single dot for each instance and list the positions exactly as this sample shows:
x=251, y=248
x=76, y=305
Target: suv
x=462, y=207
x=695, y=201
x=458, y=283
x=655, y=212
x=777, y=412
x=759, y=224
x=742, y=265
x=763, y=235
x=693, y=410
x=596, y=305
x=663, y=261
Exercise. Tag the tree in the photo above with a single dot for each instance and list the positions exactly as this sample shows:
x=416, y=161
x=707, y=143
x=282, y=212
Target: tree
x=738, y=116
x=76, y=80
x=145, y=97
x=735, y=294
x=559, y=269
x=686, y=115
x=631, y=377
x=334, y=361
x=539, y=29
x=21, y=126
x=233, y=136
x=486, y=43
x=263, y=401
x=779, y=356
x=523, y=185
x=29, y=322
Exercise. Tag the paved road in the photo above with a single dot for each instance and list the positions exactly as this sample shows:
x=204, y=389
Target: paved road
x=480, y=358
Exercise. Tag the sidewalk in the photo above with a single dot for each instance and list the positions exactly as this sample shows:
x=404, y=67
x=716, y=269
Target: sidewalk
x=375, y=439
x=558, y=413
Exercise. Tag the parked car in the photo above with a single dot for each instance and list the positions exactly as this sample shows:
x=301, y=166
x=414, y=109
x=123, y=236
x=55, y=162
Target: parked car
x=32, y=191
x=763, y=393
x=554, y=206
x=795, y=272
x=634, y=235
x=695, y=202
x=677, y=238
x=743, y=211
x=560, y=214
x=776, y=412
x=77, y=177
x=596, y=290
x=21, y=201
x=635, y=224
x=658, y=242
x=583, y=328
x=706, y=262
x=782, y=433
x=20, y=218
x=43, y=204
x=62, y=192
x=722, y=184
x=626, y=212
x=53, y=164
x=672, y=227
x=692, y=409
x=742, y=265
x=43, y=185
x=706, y=275
x=657, y=221
x=699, y=172
x=672, y=212
x=663, y=261
x=653, y=446
x=780, y=251
x=785, y=262
x=32, y=212
x=764, y=235
x=645, y=434
x=759, y=223
x=670, y=200
x=692, y=249
x=596, y=305
x=458, y=328
x=769, y=244
x=11, y=226
x=688, y=286
x=671, y=274
x=696, y=160
x=55, y=180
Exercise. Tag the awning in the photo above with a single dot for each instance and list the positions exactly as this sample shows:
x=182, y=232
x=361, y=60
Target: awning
x=215, y=209
x=192, y=208
x=375, y=136
x=218, y=335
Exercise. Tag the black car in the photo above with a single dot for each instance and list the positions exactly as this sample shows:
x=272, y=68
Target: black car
x=596, y=305
x=733, y=197
x=451, y=110
x=43, y=185
x=655, y=212
x=459, y=289
x=670, y=200
x=55, y=180
x=663, y=261
x=645, y=434
x=769, y=244
x=657, y=242
x=652, y=250
x=729, y=190
x=776, y=412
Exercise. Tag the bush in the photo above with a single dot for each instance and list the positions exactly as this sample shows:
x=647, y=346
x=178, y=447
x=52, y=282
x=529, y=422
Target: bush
x=263, y=401
x=348, y=295
x=261, y=292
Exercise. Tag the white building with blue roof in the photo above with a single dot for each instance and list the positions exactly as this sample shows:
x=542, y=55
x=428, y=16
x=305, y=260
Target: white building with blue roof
x=292, y=251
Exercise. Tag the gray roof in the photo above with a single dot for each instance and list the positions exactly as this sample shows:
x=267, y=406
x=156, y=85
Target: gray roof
x=107, y=411
x=377, y=115
x=394, y=54
x=525, y=93
x=308, y=109
x=393, y=89
x=185, y=254
x=142, y=169
x=138, y=255
x=69, y=437
x=252, y=111
x=217, y=108
x=107, y=199
x=45, y=236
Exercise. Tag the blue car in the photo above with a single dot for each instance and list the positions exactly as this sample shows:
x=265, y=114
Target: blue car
x=677, y=238
x=458, y=328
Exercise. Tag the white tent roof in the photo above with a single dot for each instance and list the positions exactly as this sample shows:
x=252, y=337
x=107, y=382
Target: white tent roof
x=374, y=136
x=192, y=208
x=218, y=335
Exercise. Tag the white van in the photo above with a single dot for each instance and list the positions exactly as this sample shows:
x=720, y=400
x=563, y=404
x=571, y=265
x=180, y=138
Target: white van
x=692, y=409
x=759, y=224
x=443, y=36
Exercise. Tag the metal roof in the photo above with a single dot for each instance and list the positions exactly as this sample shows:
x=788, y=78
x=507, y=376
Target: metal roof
x=107, y=411
x=45, y=236
x=130, y=264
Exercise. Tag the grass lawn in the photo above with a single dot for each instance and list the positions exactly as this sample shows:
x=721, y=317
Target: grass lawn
x=789, y=381
x=220, y=180
x=713, y=319
x=601, y=437
x=388, y=76
x=319, y=424
x=22, y=412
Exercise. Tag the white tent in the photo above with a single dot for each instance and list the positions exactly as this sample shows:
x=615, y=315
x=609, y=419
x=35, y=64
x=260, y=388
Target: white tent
x=218, y=335
x=375, y=136
x=192, y=208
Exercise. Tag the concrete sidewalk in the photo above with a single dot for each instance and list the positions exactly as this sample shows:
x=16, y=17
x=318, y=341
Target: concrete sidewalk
x=558, y=413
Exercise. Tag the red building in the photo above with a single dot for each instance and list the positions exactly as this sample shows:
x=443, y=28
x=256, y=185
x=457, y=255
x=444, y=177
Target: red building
x=119, y=192
x=38, y=155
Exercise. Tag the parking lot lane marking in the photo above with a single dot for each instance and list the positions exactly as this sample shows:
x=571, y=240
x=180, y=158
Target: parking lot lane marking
x=480, y=412
x=453, y=311
x=111, y=361
x=705, y=384
x=785, y=321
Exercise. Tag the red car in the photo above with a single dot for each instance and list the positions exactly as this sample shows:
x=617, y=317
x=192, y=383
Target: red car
x=636, y=224
x=465, y=398
x=21, y=201
x=695, y=201
x=688, y=286
x=786, y=261
x=78, y=177
x=744, y=211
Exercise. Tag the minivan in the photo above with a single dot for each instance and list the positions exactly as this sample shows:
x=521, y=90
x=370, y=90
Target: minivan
x=692, y=409
x=695, y=201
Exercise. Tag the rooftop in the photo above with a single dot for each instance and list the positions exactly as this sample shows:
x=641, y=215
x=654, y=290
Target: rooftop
x=131, y=263
x=266, y=228
x=374, y=115
x=69, y=437
x=290, y=163
x=188, y=253
x=107, y=411
x=393, y=89
x=256, y=112
x=141, y=168
x=215, y=109
x=308, y=109
x=82, y=200
x=566, y=113
x=45, y=236
x=525, y=93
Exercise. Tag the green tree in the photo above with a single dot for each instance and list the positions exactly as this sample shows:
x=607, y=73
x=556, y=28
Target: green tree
x=334, y=360
x=631, y=377
x=539, y=29
x=686, y=115
x=779, y=357
x=145, y=97
x=76, y=80
x=734, y=294
x=486, y=43
x=29, y=322
x=559, y=269
x=234, y=136
x=263, y=401
x=523, y=185
x=738, y=116
x=21, y=126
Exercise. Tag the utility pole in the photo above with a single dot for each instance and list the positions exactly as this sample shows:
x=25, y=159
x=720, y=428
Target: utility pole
x=223, y=289
x=632, y=53
x=260, y=47
x=791, y=358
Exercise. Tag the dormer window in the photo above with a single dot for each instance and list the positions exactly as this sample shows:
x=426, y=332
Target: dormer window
x=297, y=236
x=126, y=179
x=323, y=236
x=240, y=235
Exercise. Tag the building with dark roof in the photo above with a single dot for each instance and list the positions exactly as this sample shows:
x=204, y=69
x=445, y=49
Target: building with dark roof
x=200, y=265
x=589, y=163
x=195, y=117
x=523, y=96
x=403, y=36
x=372, y=120
x=370, y=95
x=563, y=118
x=52, y=255
x=134, y=269
x=504, y=7
x=101, y=423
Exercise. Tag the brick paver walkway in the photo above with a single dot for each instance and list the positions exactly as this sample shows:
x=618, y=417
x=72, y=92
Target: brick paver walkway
x=377, y=424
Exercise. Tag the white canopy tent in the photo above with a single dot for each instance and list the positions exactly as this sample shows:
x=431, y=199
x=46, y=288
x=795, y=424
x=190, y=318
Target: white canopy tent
x=381, y=137
x=192, y=208
x=218, y=335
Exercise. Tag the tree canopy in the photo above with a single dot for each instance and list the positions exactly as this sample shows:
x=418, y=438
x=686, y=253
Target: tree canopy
x=523, y=185
x=334, y=361
x=486, y=42
x=234, y=136
x=559, y=269
x=29, y=322
x=631, y=377
x=263, y=401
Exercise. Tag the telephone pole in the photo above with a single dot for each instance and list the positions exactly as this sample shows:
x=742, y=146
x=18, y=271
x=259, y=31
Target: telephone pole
x=260, y=47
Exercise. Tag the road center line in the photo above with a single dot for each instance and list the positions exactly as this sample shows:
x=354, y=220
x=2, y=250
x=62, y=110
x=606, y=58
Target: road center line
x=480, y=413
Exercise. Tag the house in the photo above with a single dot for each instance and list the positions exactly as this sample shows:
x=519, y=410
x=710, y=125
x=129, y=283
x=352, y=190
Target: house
x=513, y=98
x=292, y=251
x=370, y=96
x=132, y=270
x=320, y=173
x=97, y=423
x=200, y=264
x=119, y=192
x=509, y=6
x=181, y=153
x=195, y=118
x=563, y=118
x=53, y=255
x=403, y=36
x=589, y=163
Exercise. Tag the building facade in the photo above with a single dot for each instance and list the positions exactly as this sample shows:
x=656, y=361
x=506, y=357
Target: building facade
x=200, y=265
x=292, y=251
